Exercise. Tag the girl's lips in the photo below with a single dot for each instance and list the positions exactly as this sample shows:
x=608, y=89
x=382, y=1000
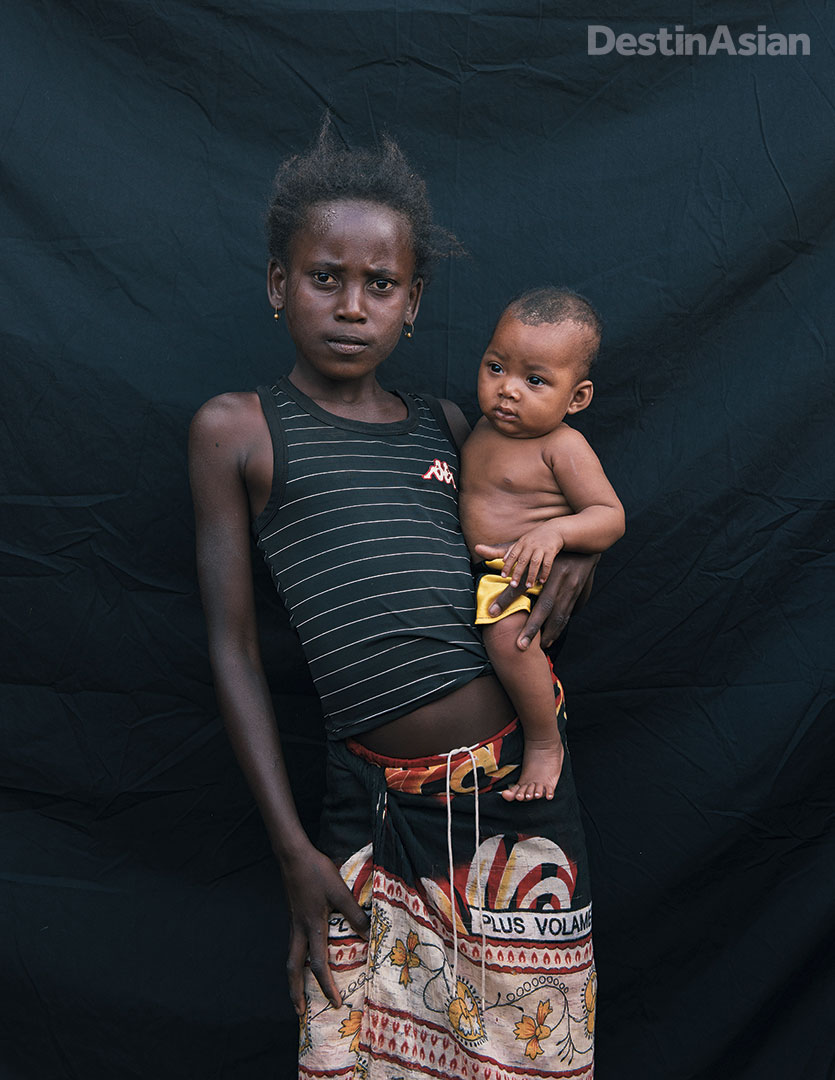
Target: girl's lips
x=346, y=346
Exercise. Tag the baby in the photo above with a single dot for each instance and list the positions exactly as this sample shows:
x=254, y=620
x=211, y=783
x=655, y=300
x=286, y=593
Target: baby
x=527, y=477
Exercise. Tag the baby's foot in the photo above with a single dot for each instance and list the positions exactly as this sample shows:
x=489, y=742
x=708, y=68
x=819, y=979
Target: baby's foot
x=541, y=768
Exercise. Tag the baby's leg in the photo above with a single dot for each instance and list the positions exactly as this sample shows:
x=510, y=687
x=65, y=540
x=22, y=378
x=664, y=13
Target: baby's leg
x=526, y=676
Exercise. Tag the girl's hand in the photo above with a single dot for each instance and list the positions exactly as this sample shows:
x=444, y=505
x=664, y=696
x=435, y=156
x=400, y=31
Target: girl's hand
x=566, y=590
x=529, y=558
x=315, y=890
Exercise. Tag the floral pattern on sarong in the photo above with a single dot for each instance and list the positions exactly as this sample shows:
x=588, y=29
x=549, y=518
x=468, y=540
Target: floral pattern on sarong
x=489, y=976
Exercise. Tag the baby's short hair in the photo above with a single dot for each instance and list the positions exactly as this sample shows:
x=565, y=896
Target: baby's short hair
x=555, y=304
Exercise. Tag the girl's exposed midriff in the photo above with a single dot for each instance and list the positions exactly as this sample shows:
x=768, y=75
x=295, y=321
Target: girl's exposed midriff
x=467, y=716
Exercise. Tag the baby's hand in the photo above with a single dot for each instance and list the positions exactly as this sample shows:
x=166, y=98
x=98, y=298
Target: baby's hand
x=529, y=558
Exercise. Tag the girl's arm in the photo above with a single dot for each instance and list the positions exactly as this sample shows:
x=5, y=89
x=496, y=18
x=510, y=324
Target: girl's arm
x=223, y=434
x=566, y=591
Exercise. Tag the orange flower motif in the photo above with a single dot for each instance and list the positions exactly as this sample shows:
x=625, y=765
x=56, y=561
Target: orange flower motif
x=351, y=1026
x=404, y=956
x=535, y=1031
x=463, y=1014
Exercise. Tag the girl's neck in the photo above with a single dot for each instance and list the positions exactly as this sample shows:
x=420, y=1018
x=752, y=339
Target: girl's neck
x=355, y=399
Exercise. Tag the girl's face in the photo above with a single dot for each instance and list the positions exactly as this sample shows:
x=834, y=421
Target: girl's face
x=348, y=288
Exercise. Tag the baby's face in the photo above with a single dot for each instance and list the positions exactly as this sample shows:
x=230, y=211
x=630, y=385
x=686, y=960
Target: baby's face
x=532, y=376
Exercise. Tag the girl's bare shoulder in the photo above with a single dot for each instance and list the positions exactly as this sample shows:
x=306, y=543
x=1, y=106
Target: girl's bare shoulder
x=229, y=420
x=228, y=411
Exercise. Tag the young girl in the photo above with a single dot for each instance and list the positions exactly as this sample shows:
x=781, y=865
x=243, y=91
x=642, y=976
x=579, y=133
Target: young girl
x=434, y=930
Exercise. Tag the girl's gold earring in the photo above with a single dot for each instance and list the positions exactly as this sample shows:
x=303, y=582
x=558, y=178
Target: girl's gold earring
x=408, y=329
x=277, y=313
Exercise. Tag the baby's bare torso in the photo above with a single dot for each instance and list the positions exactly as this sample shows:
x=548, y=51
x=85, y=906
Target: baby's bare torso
x=508, y=485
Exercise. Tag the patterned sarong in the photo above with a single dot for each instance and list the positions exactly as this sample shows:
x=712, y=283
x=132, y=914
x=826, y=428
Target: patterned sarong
x=487, y=977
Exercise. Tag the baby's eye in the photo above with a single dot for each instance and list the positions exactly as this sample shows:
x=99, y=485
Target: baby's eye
x=494, y=367
x=535, y=380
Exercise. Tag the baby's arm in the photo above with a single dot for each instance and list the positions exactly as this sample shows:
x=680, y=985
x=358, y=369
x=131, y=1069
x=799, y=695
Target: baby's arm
x=597, y=519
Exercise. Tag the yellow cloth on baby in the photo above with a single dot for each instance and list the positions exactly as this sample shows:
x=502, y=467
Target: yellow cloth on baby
x=491, y=586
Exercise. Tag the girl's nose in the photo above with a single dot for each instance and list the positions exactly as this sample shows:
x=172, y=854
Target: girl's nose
x=351, y=306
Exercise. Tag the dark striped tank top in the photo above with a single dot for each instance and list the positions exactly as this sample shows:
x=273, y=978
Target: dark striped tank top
x=361, y=536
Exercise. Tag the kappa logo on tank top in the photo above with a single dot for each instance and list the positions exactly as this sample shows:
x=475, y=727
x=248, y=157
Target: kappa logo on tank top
x=439, y=470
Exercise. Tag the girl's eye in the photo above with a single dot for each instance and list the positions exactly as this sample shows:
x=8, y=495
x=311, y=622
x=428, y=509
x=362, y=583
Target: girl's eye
x=383, y=285
x=322, y=277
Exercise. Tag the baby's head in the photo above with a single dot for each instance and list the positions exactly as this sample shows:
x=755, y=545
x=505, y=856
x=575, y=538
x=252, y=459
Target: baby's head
x=535, y=369
x=553, y=305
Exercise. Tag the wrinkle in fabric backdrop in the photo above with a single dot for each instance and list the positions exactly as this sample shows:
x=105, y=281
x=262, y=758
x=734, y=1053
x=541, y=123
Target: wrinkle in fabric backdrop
x=142, y=923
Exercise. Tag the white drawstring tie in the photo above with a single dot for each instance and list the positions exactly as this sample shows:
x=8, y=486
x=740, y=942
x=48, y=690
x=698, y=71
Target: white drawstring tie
x=469, y=751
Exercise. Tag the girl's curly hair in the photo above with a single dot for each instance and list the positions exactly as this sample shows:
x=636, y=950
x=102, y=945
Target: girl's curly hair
x=330, y=172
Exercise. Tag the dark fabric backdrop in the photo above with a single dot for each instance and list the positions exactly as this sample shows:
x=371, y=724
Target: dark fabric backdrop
x=142, y=926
